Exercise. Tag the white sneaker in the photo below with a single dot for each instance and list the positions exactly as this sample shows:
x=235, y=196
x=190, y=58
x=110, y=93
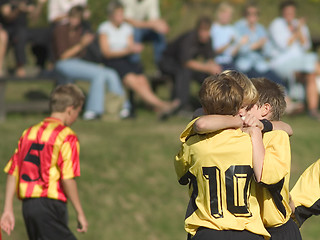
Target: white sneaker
x=90, y=115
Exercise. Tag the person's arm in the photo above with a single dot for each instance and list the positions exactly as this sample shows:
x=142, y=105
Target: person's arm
x=212, y=123
x=36, y=11
x=258, y=151
x=109, y=53
x=158, y=25
x=209, y=67
x=8, y=13
x=279, y=125
x=7, y=218
x=71, y=190
x=85, y=40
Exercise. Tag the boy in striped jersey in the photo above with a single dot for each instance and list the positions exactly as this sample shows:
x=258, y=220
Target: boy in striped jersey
x=43, y=170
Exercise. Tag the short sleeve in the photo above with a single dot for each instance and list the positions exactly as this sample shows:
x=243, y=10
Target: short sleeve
x=277, y=160
x=182, y=163
x=69, y=162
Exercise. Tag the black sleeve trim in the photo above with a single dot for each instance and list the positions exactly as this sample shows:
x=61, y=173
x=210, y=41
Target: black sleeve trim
x=275, y=191
x=302, y=213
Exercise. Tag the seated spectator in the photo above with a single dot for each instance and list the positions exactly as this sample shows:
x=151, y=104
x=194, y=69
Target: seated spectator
x=292, y=41
x=13, y=16
x=3, y=47
x=69, y=43
x=252, y=56
x=117, y=46
x=144, y=16
x=58, y=9
x=224, y=39
x=189, y=56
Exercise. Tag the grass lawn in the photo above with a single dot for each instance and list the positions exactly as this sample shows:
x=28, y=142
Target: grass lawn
x=128, y=186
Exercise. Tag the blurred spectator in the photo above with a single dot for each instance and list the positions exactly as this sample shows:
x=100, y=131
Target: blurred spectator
x=70, y=42
x=3, y=47
x=189, y=56
x=14, y=19
x=117, y=46
x=224, y=39
x=292, y=41
x=144, y=15
x=58, y=9
x=252, y=57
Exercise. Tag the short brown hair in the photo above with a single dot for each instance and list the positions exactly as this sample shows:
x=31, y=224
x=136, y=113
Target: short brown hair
x=250, y=94
x=221, y=94
x=64, y=96
x=272, y=93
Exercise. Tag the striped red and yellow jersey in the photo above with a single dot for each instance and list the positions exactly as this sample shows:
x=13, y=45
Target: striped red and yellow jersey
x=47, y=153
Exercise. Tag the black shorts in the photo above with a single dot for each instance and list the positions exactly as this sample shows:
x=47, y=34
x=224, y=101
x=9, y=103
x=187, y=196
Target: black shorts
x=287, y=231
x=210, y=234
x=46, y=219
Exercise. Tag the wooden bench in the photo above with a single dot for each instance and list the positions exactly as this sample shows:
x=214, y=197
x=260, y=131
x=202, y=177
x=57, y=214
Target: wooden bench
x=39, y=105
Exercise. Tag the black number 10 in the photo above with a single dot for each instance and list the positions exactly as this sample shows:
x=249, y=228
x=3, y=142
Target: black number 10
x=237, y=179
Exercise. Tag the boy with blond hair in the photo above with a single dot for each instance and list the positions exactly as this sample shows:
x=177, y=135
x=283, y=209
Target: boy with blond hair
x=43, y=170
x=271, y=149
x=219, y=169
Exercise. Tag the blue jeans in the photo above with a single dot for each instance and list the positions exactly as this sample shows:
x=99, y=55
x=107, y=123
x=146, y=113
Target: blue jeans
x=146, y=35
x=98, y=76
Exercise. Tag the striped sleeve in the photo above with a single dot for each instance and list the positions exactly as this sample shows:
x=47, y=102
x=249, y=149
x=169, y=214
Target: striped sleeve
x=12, y=166
x=69, y=162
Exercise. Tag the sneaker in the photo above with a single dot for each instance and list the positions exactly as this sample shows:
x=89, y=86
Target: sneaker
x=90, y=115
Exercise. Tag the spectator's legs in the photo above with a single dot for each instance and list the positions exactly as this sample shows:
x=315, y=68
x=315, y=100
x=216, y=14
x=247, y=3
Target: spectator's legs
x=98, y=77
x=40, y=40
x=3, y=48
x=139, y=84
x=146, y=35
x=181, y=87
x=20, y=36
x=312, y=96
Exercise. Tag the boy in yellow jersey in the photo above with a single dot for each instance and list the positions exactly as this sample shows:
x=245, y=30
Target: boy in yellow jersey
x=43, y=169
x=273, y=151
x=306, y=194
x=219, y=168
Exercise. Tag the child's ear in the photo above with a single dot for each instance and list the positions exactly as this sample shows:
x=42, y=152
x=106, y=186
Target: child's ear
x=69, y=109
x=265, y=109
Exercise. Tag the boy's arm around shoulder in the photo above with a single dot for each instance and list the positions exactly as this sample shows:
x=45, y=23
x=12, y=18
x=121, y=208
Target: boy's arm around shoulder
x=279, y=125
x=7, y=218
x=212, y=123
x=71, y=190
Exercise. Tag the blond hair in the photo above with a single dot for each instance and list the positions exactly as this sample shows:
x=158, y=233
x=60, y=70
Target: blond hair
x=221, y=94
x=250, y=93
x=222, y=7
x=64, y=96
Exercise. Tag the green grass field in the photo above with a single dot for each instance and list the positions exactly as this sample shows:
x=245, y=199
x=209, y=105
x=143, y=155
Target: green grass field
x=128, y=185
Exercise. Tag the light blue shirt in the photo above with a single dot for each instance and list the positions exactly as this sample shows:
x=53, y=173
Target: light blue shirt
x=247, y=58
x=222, y=35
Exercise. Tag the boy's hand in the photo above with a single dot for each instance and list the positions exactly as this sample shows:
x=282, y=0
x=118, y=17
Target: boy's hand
x=82, y=223
x=7, y=222
x=251, y=121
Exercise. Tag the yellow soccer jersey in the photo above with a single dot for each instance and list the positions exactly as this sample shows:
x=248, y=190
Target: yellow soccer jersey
x=273, y=197
x=306, y=193
x=219, y=168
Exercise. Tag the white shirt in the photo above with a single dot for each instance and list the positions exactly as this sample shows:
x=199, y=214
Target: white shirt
x=117, y=36
x=141, y=10
x=60, y=8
